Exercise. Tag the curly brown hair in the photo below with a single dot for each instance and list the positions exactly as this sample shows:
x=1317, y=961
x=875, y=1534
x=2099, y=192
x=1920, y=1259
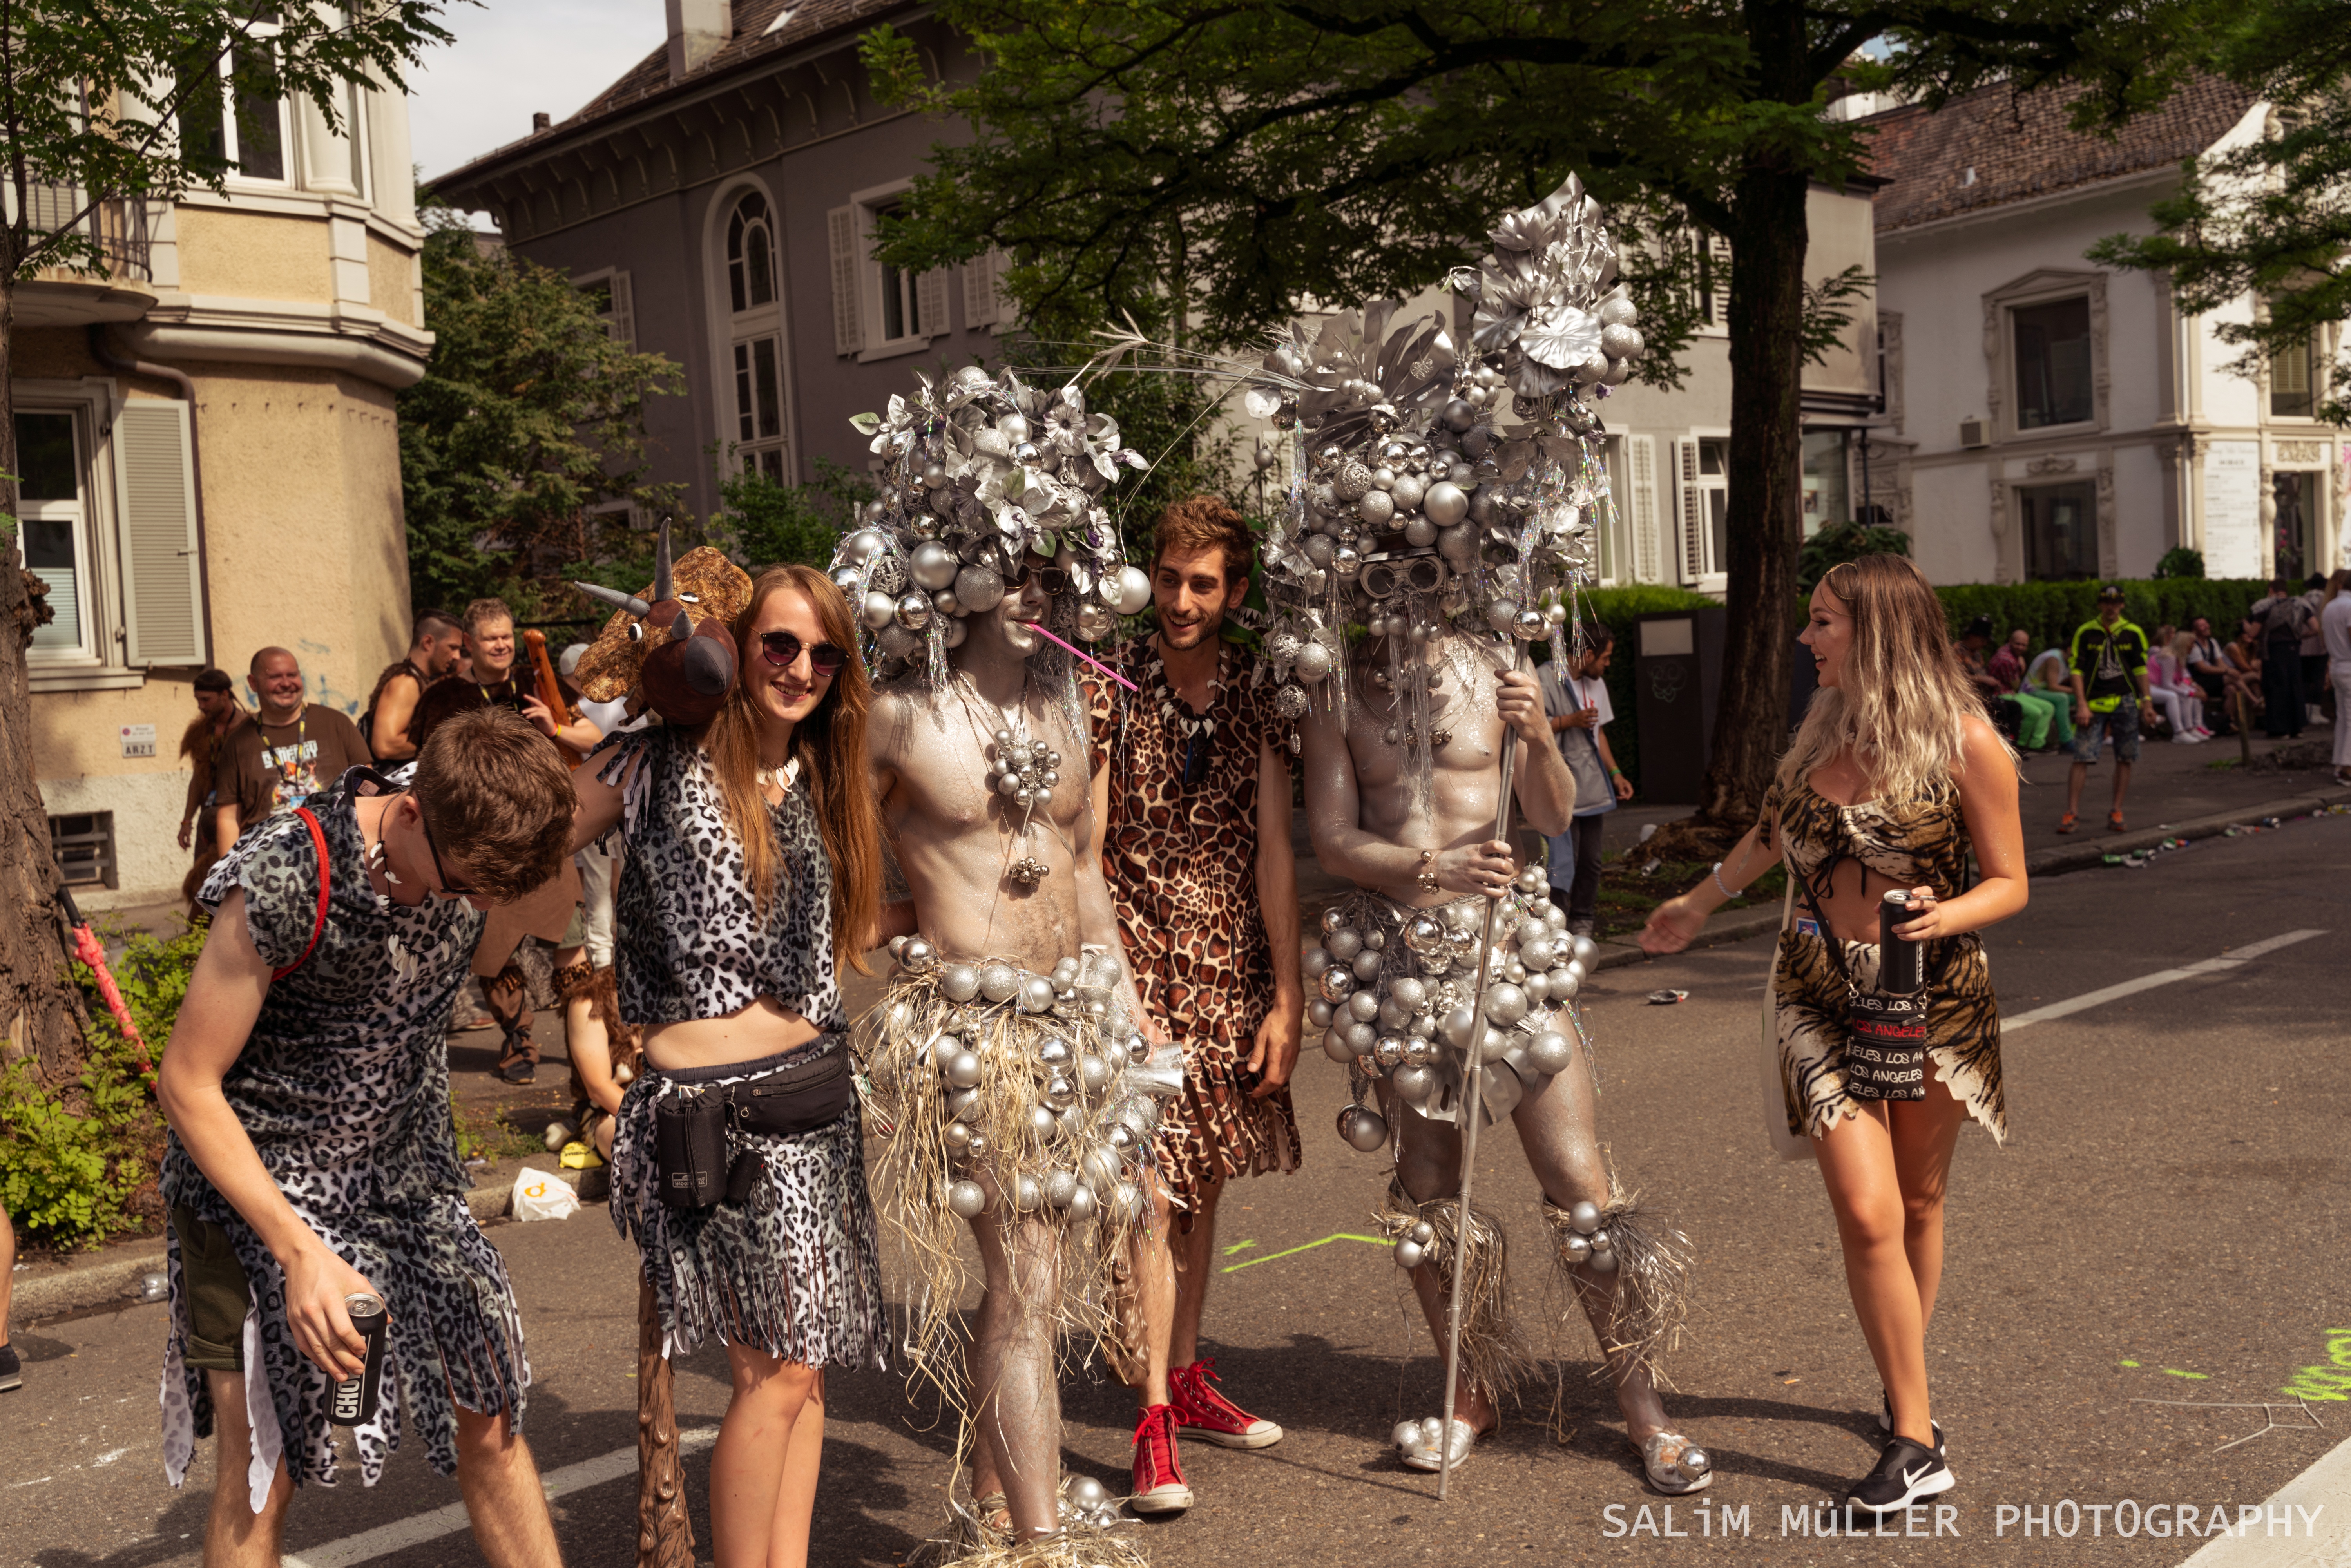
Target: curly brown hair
x=498, y=799
x=1200, y=522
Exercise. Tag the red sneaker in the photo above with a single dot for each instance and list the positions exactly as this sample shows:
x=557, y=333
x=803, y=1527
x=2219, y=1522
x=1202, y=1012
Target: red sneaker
x=1158, y=1474
x=1201, y=1411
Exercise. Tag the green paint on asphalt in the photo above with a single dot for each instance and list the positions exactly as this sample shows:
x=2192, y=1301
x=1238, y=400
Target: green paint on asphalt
x=1238, y=1246
x=1340, y=1236
x=2130, y=1364
x=2197, y=1377
x=2330, y=1383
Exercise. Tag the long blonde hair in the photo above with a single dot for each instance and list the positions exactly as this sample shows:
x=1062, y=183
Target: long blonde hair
x=1902, y=702
x=829, y=744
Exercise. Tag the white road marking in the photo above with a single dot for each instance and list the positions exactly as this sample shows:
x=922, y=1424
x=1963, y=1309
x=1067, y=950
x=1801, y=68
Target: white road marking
x=2306, y=1521
x=402, y=1533
x=2227, y=961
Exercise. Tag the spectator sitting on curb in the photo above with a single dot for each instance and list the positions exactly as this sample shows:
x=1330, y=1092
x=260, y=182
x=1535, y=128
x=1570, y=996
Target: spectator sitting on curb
x=2208, y=663
x=2047, y=678
x=2177, y=697
x=2109, y=665
x=2244, y=659
x=2034, y=711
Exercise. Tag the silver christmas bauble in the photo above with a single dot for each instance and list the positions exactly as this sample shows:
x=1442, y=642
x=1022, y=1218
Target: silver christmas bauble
x=1550, y=1053
x=1564, y=983
x=1343, y=945
x=979, y=588
x=1035, y=993
x=1414, y=1084
x=1081, y=1204
x=1423, y=1232
x=1445, y=504
x=1501, y=613
x=1536, y=953
x=879, y=610
x=1410, y=1254
x=1359, y=1036
x=1505, y=1004
x=1093, y=1075
x=967, y=1199
x=1055, y=1053
x=864, y=546
x=1058, y=1187
x=1424, y=934
x=932, y=565
x=918, y=957
x=1335, y=1047
x=1537, y=987
x=1617, y=311
x=1586, y=949
x=1576, y=1249
x=999, y=982
x=1621, y=341
x=1602, y=1242
x=1366, y=966
x=1408, y=993
x=914, y=611
x=959, y=982
x=1459, y=1026
x=1319, y=1012
x=1584, y=1216
x=1364, y=1005
x=1336, y=984
x=1042, y=1123
x=1314, y=663
x=963, y=1070
x=957, y=1136
x=1095, y=622
x=1362, y=1128
x=1026, y=1194
x=1388, y=1050
x=1132, y=590
x=1315, y=961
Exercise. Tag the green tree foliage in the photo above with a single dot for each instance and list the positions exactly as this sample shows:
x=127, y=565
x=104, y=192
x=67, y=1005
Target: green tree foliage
x=762, y=523
x=2272, y=218
x=1225, y=164
x=529, y=416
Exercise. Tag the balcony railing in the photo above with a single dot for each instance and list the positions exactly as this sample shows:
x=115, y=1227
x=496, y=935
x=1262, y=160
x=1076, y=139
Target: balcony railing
x=118, y=227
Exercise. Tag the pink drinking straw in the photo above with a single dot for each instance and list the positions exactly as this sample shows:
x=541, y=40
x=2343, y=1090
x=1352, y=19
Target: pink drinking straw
x=1088, y=658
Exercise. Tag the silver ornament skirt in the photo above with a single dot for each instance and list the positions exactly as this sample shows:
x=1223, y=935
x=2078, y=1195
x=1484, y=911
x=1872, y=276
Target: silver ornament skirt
x=1394, y=991
x=794, y=1267
x=1027, y=1097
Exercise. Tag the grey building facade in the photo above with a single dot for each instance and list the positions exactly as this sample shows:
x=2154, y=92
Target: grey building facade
x=720, y=199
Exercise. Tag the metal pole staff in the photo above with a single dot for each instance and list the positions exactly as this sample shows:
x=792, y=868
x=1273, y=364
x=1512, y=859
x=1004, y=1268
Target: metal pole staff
x=1474, y=1107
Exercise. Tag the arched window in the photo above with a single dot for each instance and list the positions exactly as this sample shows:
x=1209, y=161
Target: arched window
x=760, y=436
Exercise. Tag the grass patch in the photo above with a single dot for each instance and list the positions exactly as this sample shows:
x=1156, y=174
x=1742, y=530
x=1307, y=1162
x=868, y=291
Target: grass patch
x=492, y=1138
x=2222, y=764
x=1627, y=896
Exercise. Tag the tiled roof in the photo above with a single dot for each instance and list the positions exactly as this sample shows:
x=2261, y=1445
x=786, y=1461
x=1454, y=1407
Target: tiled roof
x=1995, y=145
x=761, y=28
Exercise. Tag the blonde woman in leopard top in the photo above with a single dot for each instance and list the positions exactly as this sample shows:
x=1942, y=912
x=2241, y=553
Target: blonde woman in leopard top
x=1895, y=775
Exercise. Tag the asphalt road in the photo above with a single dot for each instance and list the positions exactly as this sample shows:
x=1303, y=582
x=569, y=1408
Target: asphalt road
x=2164, y=1225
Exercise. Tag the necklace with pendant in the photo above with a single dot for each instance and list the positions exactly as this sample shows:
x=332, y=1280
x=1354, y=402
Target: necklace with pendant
x=781, y=777
x=1023, y=771
x=1191, y=734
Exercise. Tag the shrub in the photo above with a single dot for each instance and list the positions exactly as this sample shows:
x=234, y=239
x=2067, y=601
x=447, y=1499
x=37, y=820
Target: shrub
x=2052, y=610
x=2180, y=561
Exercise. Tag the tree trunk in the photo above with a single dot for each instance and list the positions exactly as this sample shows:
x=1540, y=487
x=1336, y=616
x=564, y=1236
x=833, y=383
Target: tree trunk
x=38, y=1013
x=1766, y=501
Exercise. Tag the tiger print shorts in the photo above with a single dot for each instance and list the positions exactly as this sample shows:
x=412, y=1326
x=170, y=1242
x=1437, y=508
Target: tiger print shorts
x=1811, y=1004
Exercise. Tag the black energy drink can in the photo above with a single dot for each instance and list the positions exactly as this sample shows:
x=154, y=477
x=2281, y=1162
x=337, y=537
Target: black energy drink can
x=352, y=1402
x=1900, y=971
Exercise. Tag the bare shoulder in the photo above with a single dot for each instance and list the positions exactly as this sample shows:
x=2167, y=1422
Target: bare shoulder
x=1985, y=758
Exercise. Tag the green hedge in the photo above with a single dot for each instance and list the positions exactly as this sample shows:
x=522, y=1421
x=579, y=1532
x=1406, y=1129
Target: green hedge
x=2052, y=610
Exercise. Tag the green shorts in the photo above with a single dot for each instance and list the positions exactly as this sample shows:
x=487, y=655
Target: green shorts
x=218, y=1294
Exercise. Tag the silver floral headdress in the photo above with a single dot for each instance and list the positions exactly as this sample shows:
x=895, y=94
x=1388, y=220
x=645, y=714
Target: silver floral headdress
x=1410, y=507
x=977, y=472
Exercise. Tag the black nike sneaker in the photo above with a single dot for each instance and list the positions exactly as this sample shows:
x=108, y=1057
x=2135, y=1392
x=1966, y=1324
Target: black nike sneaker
x=1885, y=1424
x=1905, y=1473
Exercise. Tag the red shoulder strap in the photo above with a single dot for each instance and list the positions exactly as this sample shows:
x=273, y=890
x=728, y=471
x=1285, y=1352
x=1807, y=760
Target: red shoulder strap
x=318, y=928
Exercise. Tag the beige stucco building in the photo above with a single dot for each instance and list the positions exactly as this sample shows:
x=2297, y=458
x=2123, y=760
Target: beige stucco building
x=212, y=466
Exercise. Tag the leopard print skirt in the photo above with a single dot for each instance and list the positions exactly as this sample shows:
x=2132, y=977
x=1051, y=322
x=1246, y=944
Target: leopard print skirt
x=794, y=1269
x=1811, y=1003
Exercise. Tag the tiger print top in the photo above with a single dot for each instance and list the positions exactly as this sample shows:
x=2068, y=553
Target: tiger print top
x=688, y=940
x=1919, y=843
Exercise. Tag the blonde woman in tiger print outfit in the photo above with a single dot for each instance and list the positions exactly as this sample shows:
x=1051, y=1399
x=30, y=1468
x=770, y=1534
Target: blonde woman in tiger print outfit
x=1895, y=775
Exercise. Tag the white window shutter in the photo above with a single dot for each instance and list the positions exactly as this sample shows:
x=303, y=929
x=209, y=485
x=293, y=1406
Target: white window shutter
x=624, y=311
x=1693, y=522
x=1721, y=279
x=931, y=292
x=1641, y=459
x=980, y=290
x=162, y=581
x=848, y=331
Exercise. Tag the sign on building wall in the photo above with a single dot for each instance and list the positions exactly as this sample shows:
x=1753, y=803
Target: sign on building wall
x=2233, y=510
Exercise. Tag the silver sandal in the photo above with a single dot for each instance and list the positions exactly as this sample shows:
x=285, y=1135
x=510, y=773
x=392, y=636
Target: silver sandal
x=1674, y=1465
x=1417, y=1442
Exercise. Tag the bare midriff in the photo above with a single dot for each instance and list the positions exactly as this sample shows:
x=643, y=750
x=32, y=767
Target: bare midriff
x=763, y=1029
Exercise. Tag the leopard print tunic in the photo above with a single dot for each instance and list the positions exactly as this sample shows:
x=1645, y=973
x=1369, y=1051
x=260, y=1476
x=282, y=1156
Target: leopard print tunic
x=1917, y=843
x=1181, y=862
x=344, y=1089
x=795, y=1267
x=688, y=940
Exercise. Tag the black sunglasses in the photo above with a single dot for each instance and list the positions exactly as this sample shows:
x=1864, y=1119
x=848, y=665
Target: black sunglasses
x=447, y=889
x=780, y=648
x=1055, y=579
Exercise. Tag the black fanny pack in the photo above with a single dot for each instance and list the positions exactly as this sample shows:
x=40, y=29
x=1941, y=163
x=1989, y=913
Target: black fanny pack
x=1885, y=1034
x=696, y=1162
